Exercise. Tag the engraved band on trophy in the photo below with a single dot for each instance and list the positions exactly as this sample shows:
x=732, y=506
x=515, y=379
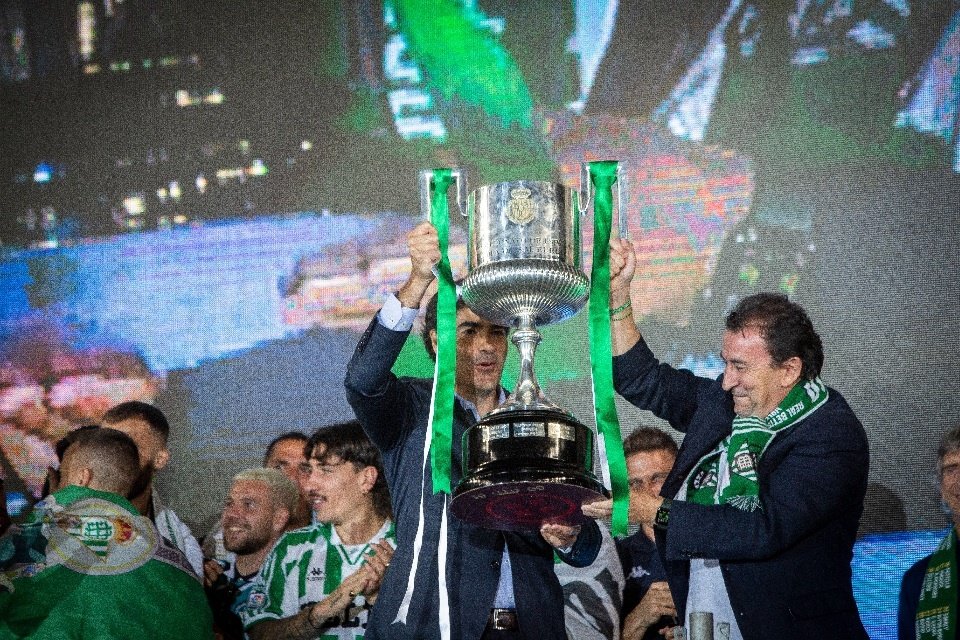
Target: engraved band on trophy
x=529, y=461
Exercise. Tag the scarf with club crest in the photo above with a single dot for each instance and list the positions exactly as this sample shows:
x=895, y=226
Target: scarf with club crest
x=728, y=474
x=937, y=608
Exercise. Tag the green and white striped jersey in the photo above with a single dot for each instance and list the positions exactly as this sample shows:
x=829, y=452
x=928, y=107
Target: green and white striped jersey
x=305, y=565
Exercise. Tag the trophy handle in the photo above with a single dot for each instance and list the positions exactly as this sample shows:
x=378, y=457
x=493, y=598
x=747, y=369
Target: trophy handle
x=623, y=196
x=461, y=177
x=426, y=178
x=586, y=188
x=426, y=181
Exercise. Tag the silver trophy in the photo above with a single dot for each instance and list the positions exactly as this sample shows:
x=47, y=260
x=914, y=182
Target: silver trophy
x=528, y=461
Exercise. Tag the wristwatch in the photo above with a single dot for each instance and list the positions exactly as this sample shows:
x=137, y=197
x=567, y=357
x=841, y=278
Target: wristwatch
x=662, y=517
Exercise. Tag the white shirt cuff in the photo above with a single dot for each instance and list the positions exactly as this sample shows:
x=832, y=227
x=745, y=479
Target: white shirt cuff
x=395, y=316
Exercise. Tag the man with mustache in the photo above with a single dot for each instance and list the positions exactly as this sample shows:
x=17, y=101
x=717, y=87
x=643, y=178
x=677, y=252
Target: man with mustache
x=497, y=584
x=321, y=580
x=284, y=454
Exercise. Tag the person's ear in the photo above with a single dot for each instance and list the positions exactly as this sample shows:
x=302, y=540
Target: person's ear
x=790, y=370
x=281, y=518
x=53, y=479
x=161, y=459
x=83, y=477
x=369, y=475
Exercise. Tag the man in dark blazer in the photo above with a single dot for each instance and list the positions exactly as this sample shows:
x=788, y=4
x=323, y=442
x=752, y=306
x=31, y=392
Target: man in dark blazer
x=757, y=520
x=498, y=585
x=928, y=590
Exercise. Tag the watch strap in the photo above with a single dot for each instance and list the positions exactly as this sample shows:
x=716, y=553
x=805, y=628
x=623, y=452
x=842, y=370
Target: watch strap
x=662, y=517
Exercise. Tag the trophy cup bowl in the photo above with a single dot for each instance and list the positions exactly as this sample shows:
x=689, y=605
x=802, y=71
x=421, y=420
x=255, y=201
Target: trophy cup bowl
x=528, y=461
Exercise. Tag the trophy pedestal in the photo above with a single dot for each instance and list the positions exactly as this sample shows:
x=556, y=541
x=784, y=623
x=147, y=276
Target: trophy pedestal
x=526, y=468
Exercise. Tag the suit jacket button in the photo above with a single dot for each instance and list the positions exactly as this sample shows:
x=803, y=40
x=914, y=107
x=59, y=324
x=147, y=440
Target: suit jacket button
x=495, y=564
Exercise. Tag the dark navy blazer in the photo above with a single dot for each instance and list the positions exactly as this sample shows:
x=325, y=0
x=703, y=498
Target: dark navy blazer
x=786, y=566
x=394, y=414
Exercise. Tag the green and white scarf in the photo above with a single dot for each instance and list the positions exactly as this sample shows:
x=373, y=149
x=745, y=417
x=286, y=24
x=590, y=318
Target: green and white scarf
x=728, y=474
x=937, y=608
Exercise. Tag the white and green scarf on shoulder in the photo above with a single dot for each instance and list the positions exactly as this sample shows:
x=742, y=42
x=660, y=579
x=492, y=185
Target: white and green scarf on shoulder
x=728, y=474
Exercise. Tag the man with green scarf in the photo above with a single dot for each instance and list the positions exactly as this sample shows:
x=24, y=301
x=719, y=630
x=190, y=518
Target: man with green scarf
x=757, y=519
x=928, y=593
x=87, y=565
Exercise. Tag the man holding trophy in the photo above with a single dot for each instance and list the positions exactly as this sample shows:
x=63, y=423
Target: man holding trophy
x=499, y=582
x=757, y=520
x=464, y=576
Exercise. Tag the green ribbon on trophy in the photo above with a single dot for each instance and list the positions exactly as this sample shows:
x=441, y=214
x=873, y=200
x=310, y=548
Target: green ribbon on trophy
x=441, y=404
x=603, y=175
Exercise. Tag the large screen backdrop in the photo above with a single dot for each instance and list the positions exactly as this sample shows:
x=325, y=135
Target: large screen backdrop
x=204, y=203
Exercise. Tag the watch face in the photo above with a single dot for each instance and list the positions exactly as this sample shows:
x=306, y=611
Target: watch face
x=662, y=517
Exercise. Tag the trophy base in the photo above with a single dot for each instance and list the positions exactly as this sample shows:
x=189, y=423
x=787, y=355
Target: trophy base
x=523, y=498
x=524, y=469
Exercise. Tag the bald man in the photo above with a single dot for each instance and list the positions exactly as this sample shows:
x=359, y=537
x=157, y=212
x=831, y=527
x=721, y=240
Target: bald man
x=86, y=557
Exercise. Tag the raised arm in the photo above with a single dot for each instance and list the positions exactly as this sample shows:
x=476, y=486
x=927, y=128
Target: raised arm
x=372, y=390
x=424, y=249
x=669, y=393
x=623, y=326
